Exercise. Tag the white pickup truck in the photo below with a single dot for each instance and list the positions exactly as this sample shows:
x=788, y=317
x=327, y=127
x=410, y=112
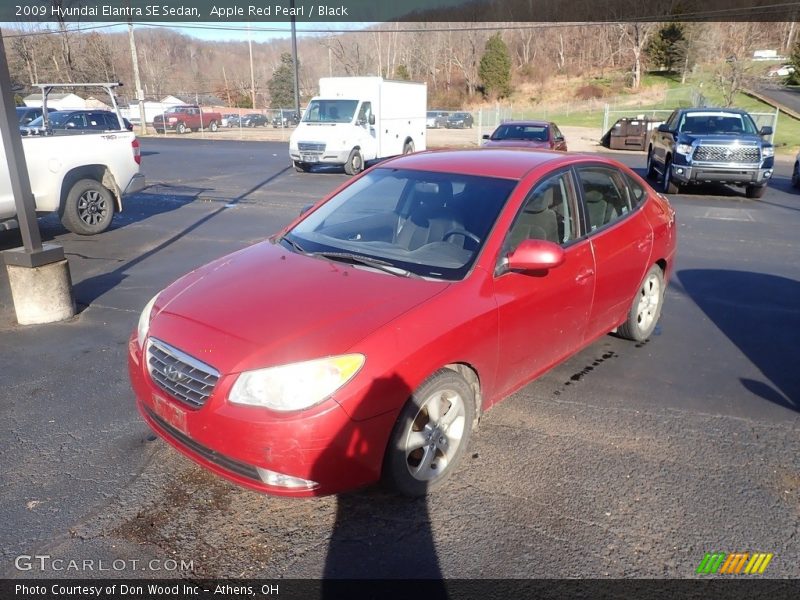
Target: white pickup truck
x=81, y=177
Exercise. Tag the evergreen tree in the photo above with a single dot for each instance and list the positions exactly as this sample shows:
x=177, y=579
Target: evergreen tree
x=495, y=68
x=281, y=85
x=401, y=72
x=668, y=47
x=794, y=60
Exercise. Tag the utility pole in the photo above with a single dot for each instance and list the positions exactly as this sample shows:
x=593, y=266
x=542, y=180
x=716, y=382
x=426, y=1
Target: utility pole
x=139, y=92
x=294, y=63
x=252, y=77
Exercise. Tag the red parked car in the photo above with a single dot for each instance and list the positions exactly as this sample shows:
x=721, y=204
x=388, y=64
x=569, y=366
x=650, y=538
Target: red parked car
x=527, y=134
x=364, y=340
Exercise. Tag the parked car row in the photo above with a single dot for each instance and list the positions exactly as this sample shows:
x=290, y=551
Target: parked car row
x=68, y=121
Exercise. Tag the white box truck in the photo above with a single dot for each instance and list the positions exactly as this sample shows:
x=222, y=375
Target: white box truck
x=359, y=119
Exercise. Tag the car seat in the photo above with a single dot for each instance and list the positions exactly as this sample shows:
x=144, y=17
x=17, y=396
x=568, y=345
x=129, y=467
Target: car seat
x=431, y=216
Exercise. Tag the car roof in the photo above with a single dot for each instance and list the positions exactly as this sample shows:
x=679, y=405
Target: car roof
x=527, y=123
x=505, y=163
x=715, y=109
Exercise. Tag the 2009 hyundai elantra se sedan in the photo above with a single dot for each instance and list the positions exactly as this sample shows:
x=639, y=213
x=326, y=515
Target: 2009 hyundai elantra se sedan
x=364, y=341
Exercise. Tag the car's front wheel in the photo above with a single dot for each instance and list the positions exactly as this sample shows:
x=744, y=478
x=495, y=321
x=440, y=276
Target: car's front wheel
x=651, y=167
x=355, y=163
x=431, y=435
x=796, y=175
x=668, y=185
x=646, y=307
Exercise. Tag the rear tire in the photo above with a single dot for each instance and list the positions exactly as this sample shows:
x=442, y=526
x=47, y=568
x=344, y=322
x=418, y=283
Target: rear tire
x=88, y=208
x=408, y=148
x=355, y=163
x=213, y=126
x=645, y=308
x=755, y=191
x=431, y=435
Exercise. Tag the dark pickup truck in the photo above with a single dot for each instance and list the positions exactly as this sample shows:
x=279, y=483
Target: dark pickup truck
x=711, y=145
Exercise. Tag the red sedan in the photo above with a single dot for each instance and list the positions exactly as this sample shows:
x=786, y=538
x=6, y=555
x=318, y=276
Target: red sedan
x=364, y=341
x=527, y=134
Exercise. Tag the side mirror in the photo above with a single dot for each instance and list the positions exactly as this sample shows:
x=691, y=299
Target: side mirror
x=372, y=119
x=486, y=136
x=664, y=128
x=536, y=255
x=765, y=130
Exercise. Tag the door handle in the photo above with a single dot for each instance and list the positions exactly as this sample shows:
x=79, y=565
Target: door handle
x=583, y=275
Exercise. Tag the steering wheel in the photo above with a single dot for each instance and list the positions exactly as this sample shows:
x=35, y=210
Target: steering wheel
x=463, y=232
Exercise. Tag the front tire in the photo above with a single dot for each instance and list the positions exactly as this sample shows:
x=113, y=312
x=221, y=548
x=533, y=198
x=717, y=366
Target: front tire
x=355, y=163
x=181, y=128
x=431, y=435
x=301, y=167
x=755, y=191
x=651, y=167
x=668, y=186
x=796, y=175
x=88, y=208
x=645, y=308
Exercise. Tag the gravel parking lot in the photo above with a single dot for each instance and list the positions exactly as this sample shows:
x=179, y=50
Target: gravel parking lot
x=628, y=460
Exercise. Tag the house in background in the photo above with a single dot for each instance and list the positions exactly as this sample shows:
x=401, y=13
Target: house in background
x=56, y=101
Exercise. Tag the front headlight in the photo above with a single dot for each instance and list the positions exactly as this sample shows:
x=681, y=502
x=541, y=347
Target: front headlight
x=144, y=321
x=767, y=151
x=296, y=386
x=684, y=149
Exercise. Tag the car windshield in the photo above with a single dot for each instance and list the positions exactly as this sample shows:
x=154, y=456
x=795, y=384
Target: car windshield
x=330, y=111
x=56, y=119
x=536, y=133
x=722, y=123
x=428, y=224
x=458, y=116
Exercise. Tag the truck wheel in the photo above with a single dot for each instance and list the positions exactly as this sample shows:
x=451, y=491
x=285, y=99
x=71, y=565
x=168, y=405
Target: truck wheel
x=651, y=167
x=181, y=128
x=301, y=167
x=213, y=126
x=667, y=185
x=408, y=148
x=355, y=163
x=88, y=208
x=796, y=175
x=755, y=191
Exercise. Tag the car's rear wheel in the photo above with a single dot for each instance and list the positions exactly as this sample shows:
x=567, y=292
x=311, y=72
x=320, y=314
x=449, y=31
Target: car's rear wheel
x=646, y=307
x=431, y=435
x=88, y=208
x=213, y=126
x=408, y=148
x=355, y=163
x=755, y=191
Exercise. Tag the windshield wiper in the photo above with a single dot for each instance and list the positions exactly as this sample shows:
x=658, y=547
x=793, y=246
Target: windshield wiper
x=293, y=244
x=366, y=261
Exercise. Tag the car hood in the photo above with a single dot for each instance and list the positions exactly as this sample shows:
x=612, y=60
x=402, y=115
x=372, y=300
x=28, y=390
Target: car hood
x=515, y=144
x=688, y=138
x=265, y=305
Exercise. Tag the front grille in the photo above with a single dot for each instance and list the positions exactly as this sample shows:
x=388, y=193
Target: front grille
x=183, y=377
x=728, y=154
x=212, y=456
x=311, y=146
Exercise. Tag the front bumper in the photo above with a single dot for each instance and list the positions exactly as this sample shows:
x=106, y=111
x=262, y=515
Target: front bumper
x=722, y=173
x=322, y=444
x=328, y=157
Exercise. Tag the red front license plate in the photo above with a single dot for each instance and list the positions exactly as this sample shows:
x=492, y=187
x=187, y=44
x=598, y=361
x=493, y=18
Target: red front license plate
x=171, y=413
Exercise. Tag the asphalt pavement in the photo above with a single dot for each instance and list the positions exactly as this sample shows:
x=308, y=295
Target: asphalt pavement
x=628, y=460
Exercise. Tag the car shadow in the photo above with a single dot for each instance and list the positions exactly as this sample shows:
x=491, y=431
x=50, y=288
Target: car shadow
x=377, y=535
x=760, y=314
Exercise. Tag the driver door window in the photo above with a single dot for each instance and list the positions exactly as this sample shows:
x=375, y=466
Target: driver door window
x=548, y=213
x=363, y=114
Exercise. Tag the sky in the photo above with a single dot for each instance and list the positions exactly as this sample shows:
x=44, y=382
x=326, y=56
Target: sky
x=227, y=31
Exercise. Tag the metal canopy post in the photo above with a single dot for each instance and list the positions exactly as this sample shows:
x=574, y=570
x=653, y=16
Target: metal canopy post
x=32, y=254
